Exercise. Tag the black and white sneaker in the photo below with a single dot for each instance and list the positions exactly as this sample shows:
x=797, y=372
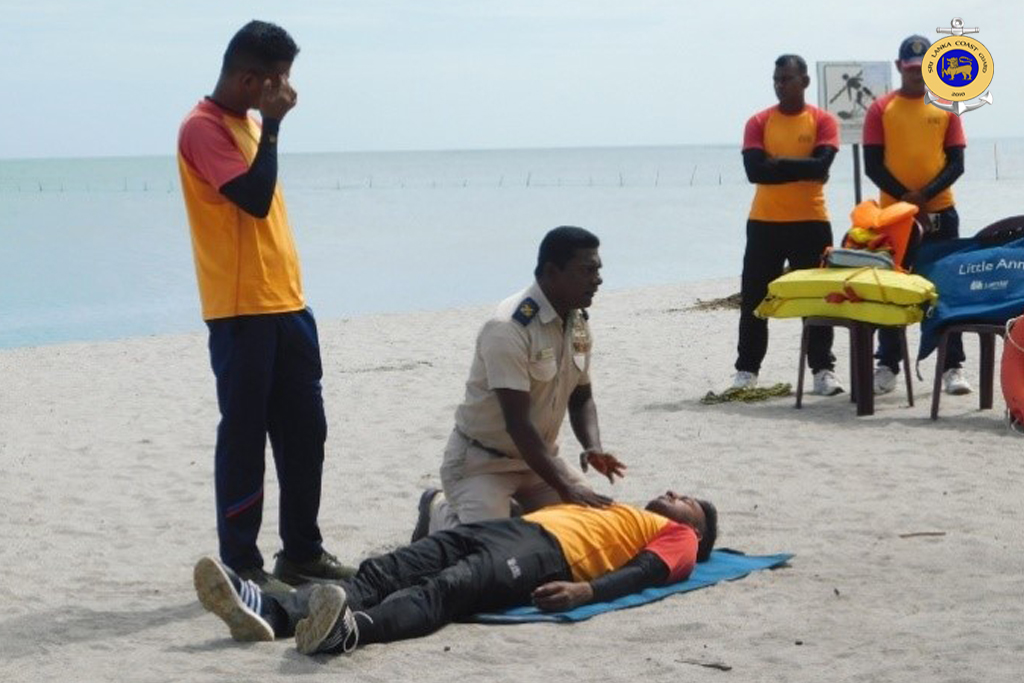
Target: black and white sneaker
x=238, y=602
x=331, y=625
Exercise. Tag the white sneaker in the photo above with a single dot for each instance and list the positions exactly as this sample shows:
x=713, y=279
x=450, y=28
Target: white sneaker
x=885, y=380
x=744, y=380
x=955, y=382
x=826, y=383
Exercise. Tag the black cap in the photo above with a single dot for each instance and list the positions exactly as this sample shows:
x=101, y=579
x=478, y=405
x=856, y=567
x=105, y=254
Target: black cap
x=912, y=50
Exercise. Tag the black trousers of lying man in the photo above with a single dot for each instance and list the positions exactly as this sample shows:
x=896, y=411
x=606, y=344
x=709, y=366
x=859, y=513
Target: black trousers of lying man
x=558, y=558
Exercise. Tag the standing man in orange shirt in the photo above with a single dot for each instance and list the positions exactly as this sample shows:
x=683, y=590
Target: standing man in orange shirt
x=787, y=152
x=263, y=340
x=914, y=152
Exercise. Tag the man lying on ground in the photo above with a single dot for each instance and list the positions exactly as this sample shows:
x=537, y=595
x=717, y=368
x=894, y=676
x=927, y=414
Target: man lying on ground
x=559, y=557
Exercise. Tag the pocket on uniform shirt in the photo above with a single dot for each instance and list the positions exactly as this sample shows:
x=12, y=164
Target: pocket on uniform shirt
x=543, y=370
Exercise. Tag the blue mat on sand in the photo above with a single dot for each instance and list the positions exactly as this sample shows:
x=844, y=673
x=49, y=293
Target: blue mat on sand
x=723, y=565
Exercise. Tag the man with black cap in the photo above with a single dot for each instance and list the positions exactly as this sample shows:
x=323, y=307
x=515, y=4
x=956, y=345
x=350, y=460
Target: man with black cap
x=914, y=152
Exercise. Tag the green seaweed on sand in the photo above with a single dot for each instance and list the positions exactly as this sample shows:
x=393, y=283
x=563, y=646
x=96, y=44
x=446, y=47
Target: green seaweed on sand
x=748, y=395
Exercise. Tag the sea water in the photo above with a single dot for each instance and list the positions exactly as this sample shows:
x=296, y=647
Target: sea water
x=100, y=249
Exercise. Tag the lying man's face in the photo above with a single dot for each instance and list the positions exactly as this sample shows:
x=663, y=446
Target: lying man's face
x=682, y=509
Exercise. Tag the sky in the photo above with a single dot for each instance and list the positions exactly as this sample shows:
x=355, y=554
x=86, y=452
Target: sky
x=90, y=78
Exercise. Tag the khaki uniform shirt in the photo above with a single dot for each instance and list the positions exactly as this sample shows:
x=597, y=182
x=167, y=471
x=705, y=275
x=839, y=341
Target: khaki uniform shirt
x=525, y=347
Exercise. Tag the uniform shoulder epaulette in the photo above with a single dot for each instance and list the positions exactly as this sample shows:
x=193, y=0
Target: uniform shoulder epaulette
x=525, y=311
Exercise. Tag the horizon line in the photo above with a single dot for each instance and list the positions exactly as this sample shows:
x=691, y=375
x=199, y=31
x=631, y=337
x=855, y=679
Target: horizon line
x=444, y=150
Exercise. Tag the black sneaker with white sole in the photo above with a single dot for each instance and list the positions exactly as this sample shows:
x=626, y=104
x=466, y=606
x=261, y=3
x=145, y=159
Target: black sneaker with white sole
x=238, y=602
x=331, y=626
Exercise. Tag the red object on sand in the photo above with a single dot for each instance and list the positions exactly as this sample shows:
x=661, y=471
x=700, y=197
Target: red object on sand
x=1012, y=371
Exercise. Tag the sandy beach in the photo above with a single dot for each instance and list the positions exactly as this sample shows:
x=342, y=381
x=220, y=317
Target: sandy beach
x=906, y=531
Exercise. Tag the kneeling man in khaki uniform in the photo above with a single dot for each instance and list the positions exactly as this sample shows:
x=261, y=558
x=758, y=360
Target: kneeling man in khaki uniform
x=530, y=367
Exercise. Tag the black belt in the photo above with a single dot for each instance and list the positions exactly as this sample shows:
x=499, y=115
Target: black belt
x=474, y=442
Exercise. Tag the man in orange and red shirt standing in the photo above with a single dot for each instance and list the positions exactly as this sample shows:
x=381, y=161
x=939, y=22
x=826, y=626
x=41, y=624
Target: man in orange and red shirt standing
x=787, y=151
x=263, y=340
x=914, y=152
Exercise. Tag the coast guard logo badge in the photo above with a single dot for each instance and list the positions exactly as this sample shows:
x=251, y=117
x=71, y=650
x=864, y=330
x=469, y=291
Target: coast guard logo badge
x=526, y=311
x=957, y=69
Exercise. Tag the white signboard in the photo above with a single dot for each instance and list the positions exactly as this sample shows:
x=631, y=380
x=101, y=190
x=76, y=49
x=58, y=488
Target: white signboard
x=847, y=89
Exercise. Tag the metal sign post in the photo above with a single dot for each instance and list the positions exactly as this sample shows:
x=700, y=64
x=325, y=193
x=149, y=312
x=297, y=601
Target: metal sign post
x=846, y=90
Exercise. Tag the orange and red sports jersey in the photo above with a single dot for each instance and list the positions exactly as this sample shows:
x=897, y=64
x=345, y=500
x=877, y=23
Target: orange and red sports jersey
x=245, y=265
x=793, y=136
x=915, y=136
x=596, y=541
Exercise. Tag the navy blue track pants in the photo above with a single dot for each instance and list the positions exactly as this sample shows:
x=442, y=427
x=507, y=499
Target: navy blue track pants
x=268, y=375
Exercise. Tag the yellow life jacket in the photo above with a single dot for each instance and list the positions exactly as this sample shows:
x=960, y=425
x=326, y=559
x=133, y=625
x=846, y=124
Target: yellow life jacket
x=874, y=295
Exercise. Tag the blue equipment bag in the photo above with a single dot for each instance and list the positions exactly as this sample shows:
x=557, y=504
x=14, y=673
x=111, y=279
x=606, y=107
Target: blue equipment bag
x=977, y=282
